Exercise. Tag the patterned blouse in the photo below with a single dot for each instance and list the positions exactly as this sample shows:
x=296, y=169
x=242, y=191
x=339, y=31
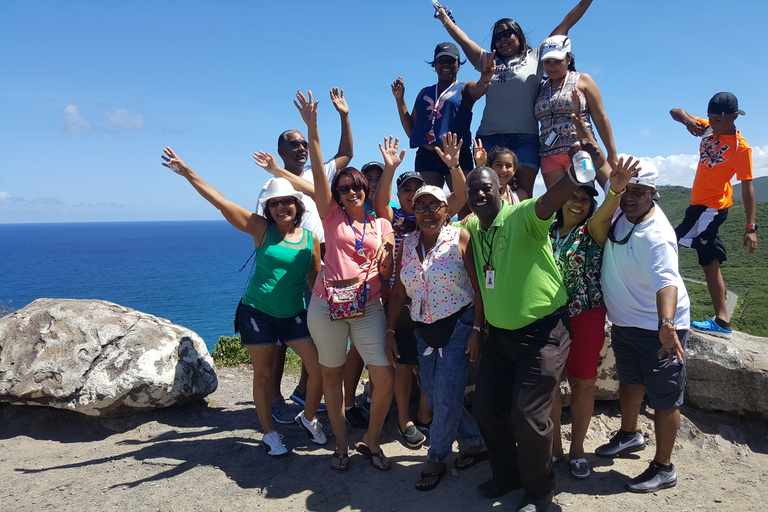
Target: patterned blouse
x=439, y=286
x=580, y=261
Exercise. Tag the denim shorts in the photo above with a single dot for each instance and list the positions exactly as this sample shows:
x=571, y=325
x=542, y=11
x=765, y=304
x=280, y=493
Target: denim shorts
x=638, y=363
x=525, y=146
x=258, y=328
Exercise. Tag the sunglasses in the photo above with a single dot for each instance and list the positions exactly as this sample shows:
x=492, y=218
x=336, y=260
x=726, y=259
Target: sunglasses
x=407, y=190
x=498, y=36
x=344, y=189
x=433, y=207
x=296, y=143
x=286, y=201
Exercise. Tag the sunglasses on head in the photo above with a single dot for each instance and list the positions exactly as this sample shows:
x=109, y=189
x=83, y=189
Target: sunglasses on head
x=344, y=189
x=296, y=143
x=498, y=36
x=286, y=201
x=433, y=207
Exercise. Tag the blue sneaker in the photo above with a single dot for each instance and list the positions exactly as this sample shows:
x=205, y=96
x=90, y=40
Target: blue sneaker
x=299, y=397
x=282, y=412
x=709, y=326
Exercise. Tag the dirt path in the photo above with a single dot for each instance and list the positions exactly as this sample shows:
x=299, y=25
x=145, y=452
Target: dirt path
x=208, y=458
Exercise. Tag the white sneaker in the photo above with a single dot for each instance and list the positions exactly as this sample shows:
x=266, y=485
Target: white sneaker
x=273, y=444
x=314, y=428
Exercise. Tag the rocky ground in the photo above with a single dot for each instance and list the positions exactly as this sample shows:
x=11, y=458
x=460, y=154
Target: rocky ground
x=207, y=457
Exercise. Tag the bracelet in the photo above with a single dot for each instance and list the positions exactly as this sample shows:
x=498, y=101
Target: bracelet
x=614, y=194
x=569, y=172
x=454, y=167
x=477, y=328
x=389, y=331
x=486, y=85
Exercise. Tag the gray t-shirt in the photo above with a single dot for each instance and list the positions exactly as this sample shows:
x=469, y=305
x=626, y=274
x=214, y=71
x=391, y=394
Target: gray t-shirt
x=510, y=100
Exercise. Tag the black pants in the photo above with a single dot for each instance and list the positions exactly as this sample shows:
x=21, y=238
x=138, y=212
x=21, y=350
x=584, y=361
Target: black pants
x=519, y=372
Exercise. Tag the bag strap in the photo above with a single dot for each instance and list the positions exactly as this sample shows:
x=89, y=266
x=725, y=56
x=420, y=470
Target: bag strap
x=253, y=255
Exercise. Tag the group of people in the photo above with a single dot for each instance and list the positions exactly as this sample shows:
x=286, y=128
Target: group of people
x=347, y=279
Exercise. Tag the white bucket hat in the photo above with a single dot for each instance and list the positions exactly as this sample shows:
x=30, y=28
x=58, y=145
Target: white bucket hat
x=280, y=187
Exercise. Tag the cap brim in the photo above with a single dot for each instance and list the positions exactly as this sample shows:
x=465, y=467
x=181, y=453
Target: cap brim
x=554, y=54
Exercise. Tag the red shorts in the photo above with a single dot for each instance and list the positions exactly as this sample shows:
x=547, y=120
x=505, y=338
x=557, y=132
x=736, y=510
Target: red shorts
x=588, y=337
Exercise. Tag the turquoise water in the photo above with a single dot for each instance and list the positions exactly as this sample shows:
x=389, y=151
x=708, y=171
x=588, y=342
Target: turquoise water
x=185, y=271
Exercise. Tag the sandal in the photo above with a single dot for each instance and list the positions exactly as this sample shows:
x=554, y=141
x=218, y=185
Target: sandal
x=343, y=462
x=439, y=474
x=473, y=458
x=383, y=462
x=580, y=468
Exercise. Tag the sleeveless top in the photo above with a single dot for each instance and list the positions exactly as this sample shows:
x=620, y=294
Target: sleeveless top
x=280, y=276
x=554, y=107
x=438, y=286
x=448, y=113
x=580, y=261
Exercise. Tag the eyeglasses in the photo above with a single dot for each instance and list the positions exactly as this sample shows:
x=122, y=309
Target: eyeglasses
x=296, y=143
x=286, y=201
x=433, y=207
x=344, y=189
x=407, y=190
x=498, y=36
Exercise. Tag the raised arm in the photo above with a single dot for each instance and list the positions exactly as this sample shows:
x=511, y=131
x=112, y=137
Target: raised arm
x=449, y=154
x=599, y=117
x=479, y=153
x=308, y=110
x=748, y=197
x=473, y=91
x=600, y=223
x=571, y=18
x=238, y=216
x=269, y=164
x=684, y=117
x=392, y=160
x=556, y=195
x=406, y=118
x=346, y=149
x=471, y=49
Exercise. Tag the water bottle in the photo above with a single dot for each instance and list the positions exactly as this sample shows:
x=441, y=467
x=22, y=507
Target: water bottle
x=583, y=168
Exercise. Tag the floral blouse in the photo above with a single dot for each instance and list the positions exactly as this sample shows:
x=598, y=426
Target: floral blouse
x=580, y=261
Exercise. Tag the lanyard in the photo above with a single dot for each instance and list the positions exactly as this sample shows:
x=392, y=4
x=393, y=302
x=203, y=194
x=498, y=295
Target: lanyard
x=359, y=243
x=558, y=245
x=487, y=260
x=437, y=103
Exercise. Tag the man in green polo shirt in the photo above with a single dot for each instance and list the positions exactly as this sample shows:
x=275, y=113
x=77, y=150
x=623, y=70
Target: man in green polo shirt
x=530, y=333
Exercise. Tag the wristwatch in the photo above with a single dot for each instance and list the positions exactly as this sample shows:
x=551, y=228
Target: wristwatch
x=751, y=227
x=667, y=321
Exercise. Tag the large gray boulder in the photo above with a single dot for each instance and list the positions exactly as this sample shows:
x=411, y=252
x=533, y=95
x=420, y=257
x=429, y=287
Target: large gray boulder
x=100, y=359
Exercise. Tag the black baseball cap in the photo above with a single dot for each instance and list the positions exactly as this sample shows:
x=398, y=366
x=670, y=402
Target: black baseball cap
x=407, y=176
x=724, y=103
x=447, y=49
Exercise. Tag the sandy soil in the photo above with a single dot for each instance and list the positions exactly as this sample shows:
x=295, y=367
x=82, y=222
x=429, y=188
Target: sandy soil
x=207, y=457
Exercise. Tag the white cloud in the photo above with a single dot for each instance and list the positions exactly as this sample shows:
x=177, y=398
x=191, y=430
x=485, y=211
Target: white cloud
x=645, y=132
x=122, y=119
x=73, y=123
x=8, y=199
x=98, y=204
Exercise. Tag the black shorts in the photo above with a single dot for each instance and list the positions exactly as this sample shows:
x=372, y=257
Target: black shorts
x=429, y=161
x=699, y=231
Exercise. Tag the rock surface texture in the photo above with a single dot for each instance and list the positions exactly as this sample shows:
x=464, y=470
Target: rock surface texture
x=100, y=359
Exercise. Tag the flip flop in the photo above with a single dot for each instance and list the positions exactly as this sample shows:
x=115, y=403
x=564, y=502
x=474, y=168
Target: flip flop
x=343, y=459
x=556, y=459
x=474, y=457
x=366, y=452
x=439, y=474
x=580, y=468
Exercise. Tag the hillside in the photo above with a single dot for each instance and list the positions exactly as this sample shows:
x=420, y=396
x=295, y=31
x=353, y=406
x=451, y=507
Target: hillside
x=745, y=275
x=761, y=189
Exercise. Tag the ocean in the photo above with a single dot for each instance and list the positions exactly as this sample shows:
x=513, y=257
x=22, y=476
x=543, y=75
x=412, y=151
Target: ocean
x=185, y=271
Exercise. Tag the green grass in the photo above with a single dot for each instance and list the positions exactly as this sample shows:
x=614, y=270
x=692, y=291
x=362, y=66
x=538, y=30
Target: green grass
x=745, y=275
x=230, y=352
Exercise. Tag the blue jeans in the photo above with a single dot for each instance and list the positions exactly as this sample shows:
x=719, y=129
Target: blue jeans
x=444, y=379
x=525, y=146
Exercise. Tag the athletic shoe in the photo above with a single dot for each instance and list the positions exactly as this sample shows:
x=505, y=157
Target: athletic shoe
x=356, y=418
x=653, y=479
x=531, y=503
x=273, y=444
x=709, y=326
x=299, y=397
x=412, y=437
x=622, y=443
x=281, y=411
x=314, y=428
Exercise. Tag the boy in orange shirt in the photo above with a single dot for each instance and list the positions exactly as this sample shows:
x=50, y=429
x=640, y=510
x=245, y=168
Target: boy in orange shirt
x=723, y=153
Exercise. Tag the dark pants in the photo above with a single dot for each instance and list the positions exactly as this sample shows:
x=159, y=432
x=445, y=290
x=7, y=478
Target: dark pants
x=519, y=371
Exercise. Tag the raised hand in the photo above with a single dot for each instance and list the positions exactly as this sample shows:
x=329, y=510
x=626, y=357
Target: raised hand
x=339, y=103
x=389, y=151
x=479, y=153
x=398, y=89
x=624, y=171
x=451, y=149
x=174, y=163
x=489, y=68
x=306, y=107
x=266, y=162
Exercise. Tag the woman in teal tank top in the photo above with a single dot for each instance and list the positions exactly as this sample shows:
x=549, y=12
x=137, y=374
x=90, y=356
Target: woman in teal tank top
x=273, y=309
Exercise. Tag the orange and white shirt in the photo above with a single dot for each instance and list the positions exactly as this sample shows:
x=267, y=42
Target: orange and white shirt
x=719, y=159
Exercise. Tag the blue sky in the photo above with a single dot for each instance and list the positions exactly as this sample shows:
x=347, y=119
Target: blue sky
x=91, y=92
